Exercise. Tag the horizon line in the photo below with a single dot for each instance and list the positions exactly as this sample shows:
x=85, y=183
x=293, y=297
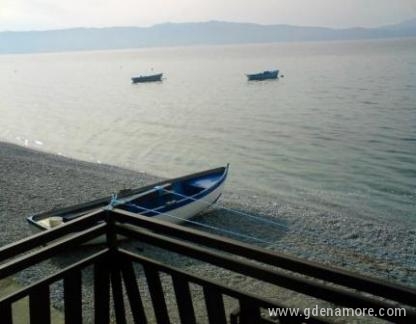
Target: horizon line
x=200, y=22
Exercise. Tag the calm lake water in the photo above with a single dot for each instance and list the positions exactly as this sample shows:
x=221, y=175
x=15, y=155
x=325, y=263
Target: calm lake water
x=337, y=132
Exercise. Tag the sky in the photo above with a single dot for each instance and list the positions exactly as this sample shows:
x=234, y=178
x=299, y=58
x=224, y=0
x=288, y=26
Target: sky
x=56, y=14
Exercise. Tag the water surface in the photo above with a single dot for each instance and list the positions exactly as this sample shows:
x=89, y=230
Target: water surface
x=337, y=132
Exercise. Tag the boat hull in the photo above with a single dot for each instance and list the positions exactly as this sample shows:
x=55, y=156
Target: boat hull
x=175, y=200
x=182, y=214
x=266, y=75
x=147, y=78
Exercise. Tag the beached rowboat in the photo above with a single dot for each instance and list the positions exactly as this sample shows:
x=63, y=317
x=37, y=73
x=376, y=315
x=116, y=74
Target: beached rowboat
x=174, y=200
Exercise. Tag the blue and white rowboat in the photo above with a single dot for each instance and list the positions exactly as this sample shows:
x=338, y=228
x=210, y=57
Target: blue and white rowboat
x=173, y=200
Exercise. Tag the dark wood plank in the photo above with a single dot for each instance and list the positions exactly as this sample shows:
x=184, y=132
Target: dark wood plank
x=215, y=306
x=6, y=313
x=39, y=305
x=184, y=300
x=156, y=293
x=101, y=293
x=73, y=297
x=133, y=293
x=118, y=296
x=249, y=313
x=19, y=263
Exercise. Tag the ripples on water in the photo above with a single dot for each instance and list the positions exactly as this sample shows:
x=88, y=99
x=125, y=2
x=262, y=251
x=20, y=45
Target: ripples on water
x=338, y=132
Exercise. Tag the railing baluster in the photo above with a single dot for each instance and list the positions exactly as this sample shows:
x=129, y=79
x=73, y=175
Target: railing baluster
x=156, y=293
x=73, y=297
x=101, y=293
x=118, y=296
x=6, y=313
x=249, y=313
x=215, y=306
x=184, y=300
x=39, y=305
x=133, y=293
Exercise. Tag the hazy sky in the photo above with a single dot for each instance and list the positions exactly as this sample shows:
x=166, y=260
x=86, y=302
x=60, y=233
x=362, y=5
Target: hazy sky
x=49, y=14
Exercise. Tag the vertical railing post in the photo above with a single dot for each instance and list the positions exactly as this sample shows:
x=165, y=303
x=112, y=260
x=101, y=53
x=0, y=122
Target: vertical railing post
x=215, y=306
x=115, y=263
x=111, y=236
x=102, y=276
x=40, y=306
x=73, y=297
x=101, y=292
x=6, y=313
x=184, y=300
x=249, y=313
x=133, y=293
x=156, y=294
x=117, y=290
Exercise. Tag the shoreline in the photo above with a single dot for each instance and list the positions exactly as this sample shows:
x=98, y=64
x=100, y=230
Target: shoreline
x=32, y=181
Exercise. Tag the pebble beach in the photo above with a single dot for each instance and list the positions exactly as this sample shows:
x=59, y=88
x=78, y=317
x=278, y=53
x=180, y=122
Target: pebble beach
x=33, y=181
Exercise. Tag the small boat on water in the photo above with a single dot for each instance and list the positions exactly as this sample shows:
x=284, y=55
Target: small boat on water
x=174, y=200
x=147, y=78
x=266, y=75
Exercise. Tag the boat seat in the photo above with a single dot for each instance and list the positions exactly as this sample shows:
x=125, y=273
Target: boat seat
x=52, y=221
x=201, y=183
x=171, y=202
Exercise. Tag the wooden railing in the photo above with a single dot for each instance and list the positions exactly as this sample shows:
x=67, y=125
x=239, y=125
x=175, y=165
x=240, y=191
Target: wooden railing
x=116, y=290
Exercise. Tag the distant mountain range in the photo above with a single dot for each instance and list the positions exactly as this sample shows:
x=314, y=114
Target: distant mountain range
x=180, y=34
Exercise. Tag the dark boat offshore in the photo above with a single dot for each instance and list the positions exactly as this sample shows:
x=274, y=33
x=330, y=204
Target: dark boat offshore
x=147, y=78
x=266, y=75
x=174, y=200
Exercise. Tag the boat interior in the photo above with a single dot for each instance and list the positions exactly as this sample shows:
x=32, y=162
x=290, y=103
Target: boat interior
x=170, y=195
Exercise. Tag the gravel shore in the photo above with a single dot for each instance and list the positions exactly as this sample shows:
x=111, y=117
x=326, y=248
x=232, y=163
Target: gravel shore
x=32, y=181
